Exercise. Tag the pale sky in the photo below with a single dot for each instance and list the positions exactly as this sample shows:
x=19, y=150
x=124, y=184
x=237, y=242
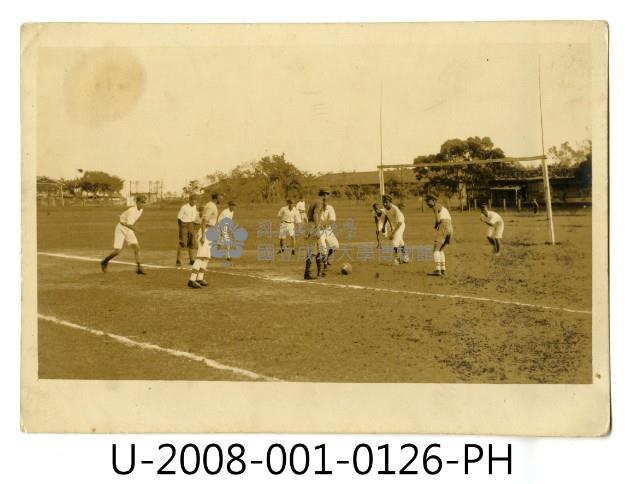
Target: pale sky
x=180, y=113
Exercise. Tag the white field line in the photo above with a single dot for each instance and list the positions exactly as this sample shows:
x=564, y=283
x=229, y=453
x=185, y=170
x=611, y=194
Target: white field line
x=149, y=346
x=341, y=286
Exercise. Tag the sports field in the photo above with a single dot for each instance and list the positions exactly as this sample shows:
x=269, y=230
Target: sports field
x=524, y=317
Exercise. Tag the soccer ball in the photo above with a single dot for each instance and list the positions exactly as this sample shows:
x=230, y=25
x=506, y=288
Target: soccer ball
x=405, y=258
x=346, y=268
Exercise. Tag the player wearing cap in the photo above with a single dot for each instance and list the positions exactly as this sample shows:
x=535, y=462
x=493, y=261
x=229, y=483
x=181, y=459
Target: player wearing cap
x=320, y=216
x=382, y=224
x=444, y=229
x=126, y=233
x=208, y=220
x=496, y=227
x=396, y=220
x=289, y=216
x=186, y=230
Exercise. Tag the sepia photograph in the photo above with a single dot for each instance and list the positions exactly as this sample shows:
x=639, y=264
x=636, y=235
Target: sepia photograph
x=368, y=213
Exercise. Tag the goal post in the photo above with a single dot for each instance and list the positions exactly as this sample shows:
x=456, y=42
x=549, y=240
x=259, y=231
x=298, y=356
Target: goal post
x=476, y=161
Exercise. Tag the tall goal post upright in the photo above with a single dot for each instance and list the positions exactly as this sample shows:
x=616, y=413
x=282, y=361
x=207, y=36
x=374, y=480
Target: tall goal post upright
x=545, y=169
x=381, y=167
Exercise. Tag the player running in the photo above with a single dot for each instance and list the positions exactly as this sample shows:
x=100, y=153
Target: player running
x=289, y=216
x=396, y=221
x=382, y=224
x=125, y=232
x=186, y=230
x=496, y=227
x=203, y=255
x=444, y=230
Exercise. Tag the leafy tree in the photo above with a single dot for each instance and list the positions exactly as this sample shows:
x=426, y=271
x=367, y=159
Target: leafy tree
x=456, y=179
x=566, y=156
x=98, y=182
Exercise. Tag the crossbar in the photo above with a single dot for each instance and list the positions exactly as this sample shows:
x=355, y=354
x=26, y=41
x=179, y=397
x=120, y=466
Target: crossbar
x=475, y=161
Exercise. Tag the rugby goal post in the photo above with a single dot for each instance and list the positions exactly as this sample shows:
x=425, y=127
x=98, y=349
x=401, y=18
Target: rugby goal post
x=475, y=161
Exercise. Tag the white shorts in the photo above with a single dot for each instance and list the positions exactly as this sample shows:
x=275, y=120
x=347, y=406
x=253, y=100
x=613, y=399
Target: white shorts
x=287, y=230
x=398, y=237
x=204, y=249
x=495, y=232
x=327, y=240
x=123, y=234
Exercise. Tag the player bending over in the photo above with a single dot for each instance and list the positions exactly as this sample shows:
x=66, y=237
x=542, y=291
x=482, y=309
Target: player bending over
x=125, y=232
x=382, y=224
x=396, y=220
x=186, y=230
x=496, y=227
x=289, y=216
x=444, y=230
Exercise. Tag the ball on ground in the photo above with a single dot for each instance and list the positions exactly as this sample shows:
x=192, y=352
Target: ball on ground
x=346, y=269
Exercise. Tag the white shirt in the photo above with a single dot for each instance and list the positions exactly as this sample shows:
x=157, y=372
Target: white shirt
x=395, y=216
x=210, y=213
x=444, y=214
x=301, y=206
x=188, y=213
x=289, y=216
x=327, y=216
x=491, y=217
x=226, y=213
x=131, y=215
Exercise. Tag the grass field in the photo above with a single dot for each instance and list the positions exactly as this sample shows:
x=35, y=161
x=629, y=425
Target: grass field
x=524, y=317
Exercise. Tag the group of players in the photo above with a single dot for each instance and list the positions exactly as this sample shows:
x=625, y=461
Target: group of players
x=318, y=224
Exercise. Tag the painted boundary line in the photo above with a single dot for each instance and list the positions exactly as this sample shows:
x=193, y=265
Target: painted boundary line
x=150, y=346
x=341, y=286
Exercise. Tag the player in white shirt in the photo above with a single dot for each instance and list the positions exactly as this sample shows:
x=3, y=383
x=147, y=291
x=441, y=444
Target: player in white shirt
x=382, y=224
x=327, y=242
x=126, y=233
x=301, y=206
x=226, y=214
x=289, y=216
x=208, y=220
x=496, y=226
x=321, y=215
x=444, y=230
x=187, y=216
x=396, y=220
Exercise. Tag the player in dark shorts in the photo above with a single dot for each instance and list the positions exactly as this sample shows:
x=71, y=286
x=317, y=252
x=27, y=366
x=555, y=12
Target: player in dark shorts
x=315, y=233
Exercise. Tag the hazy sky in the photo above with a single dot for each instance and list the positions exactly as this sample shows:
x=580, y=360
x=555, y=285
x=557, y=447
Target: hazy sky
x=182, y=112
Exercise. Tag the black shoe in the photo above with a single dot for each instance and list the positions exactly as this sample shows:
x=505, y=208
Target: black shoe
x=103, y=265
x=293, y=251
x=309, y=277
x=194, y=285
x=178, y=263
x=191, y=262
x=203, y=283
x=140, y=272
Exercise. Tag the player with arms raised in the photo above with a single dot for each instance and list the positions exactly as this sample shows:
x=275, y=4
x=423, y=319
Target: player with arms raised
x=125, y=232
